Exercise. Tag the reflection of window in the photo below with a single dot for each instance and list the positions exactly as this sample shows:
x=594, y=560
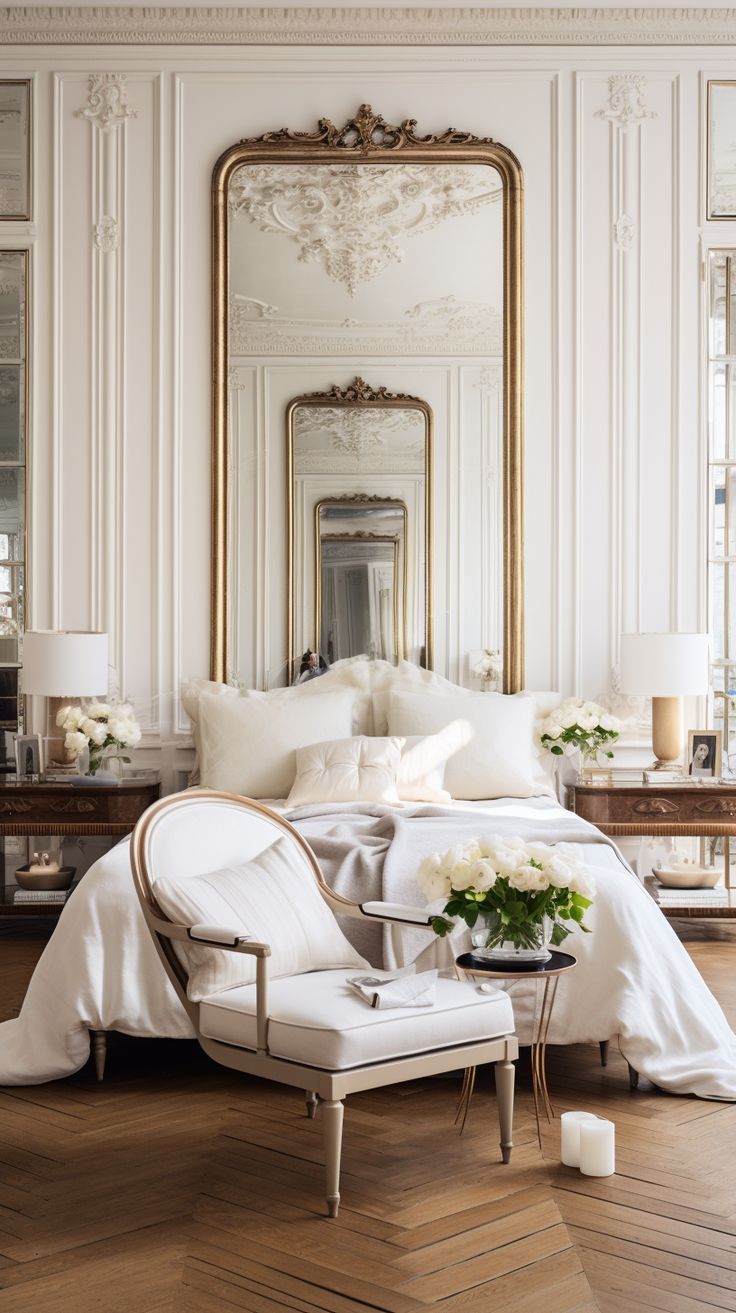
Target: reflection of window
x=722, y=471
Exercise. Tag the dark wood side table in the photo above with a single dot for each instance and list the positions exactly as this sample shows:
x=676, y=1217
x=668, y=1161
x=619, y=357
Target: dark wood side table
x=28, y=808
x=666, y=811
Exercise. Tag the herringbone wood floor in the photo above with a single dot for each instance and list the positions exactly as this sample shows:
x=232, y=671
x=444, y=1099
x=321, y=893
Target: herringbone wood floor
x=177, y=1186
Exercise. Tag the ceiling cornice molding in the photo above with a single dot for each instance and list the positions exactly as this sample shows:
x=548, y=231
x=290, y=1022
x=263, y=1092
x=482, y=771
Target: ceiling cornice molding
x=122, y=25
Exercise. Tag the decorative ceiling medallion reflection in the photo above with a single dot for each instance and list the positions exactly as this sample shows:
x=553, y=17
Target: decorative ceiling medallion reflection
x=354, y=219
x=355, y=431
x=445, y=326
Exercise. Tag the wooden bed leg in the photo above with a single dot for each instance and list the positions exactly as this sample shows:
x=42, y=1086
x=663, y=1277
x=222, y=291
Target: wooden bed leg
x=633, y=1077
x=99, y=1049
x=312, y=1101
x=603, y=1046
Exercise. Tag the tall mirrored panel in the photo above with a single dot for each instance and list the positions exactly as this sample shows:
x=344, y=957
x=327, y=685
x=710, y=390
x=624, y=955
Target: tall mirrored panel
x=367, y=320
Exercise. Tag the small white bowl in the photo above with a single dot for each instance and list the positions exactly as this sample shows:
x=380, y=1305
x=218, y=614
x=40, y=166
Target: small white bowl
x=688, y=877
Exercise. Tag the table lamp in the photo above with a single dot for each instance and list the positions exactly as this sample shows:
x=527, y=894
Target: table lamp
x=61, y=664
x=666, y=668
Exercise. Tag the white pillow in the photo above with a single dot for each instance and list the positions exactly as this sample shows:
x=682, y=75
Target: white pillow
x=275, y=900
x=248, y=744
x=495, y=734
x=421, y=773
x=347, y=770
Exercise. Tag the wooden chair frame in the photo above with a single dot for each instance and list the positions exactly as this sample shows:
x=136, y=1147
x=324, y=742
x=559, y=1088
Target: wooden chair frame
x=324, y=1088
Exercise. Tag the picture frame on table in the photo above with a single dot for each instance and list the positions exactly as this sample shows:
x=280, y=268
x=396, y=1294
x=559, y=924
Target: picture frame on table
x=28, y=760
x=704, y=754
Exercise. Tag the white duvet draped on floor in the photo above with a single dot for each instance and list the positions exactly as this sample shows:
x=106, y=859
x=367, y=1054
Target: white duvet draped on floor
x=634, y=979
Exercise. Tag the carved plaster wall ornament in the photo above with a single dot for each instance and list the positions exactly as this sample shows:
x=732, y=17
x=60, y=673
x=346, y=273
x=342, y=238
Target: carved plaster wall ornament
x=107, y=234
x=626, y=108
x=445, y=326
x=624, y=232
x=355, y=431
x=107, y=101
x=355, y=218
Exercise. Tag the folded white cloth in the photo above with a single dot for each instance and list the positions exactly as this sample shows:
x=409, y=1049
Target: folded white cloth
x=401, y=990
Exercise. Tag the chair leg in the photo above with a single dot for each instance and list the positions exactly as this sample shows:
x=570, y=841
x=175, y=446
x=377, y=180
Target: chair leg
x=332, y=1114
x=99, y=1049
x=312, y=1102
x=505, y=1075
x=603, y=1046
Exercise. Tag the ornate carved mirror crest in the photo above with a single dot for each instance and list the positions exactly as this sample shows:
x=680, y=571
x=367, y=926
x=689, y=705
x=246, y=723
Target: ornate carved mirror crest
x=368, y=246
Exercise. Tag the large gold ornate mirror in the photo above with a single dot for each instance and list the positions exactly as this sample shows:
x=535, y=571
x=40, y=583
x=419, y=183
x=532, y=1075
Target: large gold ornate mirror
x=360, y=477
x=371, y=251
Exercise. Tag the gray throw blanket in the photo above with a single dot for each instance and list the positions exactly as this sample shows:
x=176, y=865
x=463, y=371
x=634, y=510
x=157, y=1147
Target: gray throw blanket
x=374, y=852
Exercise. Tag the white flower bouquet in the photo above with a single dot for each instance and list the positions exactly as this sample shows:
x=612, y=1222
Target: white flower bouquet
x=579, y=726
x=489, y=666
x=105, y=729
x=511, y=887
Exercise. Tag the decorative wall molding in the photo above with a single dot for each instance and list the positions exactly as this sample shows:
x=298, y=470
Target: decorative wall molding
x=354, y=220
x=420, y=26
x=107, y=234
x=445, y=326
x=626, y=108
x=107, y=101
x=624, y=232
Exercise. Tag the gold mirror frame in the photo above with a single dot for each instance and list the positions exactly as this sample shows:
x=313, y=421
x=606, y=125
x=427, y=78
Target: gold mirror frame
x=368, y=137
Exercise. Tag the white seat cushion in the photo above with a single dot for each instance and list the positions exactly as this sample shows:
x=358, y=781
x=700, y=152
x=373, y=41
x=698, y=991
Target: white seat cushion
x=318, y=1020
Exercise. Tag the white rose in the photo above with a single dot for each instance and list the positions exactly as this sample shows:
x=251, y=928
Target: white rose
x=483, y=875
x=132, y=733
x=569, y=717
x=98, y=711
x=95, y=730
x=611, y=724
x=125, y=711
x=73, y=719
x=462, y=876
x=555, y=731
x=428, y=868
x=75, y=743
x=62, y=714
x=436, y=885
x=528, y=878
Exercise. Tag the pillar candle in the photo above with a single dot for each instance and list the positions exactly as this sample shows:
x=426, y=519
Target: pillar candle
x=598, y=1148
x=570, y=1123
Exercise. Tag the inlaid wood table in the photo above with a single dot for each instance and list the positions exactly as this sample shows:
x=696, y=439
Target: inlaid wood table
x=689, y=810
x=546, y=977
x=29, y=808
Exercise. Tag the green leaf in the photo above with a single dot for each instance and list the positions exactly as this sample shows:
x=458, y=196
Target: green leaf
x=441, y=926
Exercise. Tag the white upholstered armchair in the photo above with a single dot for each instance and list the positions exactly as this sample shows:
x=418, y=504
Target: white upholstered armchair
x=243, y=922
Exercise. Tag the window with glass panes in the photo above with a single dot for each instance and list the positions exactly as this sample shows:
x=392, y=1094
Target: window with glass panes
x=13, y=390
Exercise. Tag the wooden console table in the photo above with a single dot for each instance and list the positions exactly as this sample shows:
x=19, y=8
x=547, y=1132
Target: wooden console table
x=28, y=809
x=690, y=810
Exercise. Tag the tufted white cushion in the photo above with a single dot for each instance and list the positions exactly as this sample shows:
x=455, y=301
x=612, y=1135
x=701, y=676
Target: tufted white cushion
x=347, y=770
x=320, y=1021
x=274, y=899
x=248, y=744
x=495, y=757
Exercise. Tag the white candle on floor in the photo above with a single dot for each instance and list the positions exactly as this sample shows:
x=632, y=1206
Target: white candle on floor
x=570, y=1123
x=597, y=1148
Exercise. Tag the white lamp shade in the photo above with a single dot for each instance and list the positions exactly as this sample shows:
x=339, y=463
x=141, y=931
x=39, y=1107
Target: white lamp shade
x=65, y=663
x=664, y=665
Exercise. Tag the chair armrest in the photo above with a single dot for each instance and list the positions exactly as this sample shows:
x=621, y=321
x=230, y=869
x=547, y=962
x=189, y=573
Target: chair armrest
x=218, y=934
x=397, y=912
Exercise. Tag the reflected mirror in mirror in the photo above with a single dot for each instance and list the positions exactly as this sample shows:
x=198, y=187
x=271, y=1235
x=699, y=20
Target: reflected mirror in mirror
x=360, y=472
x=361, y=581
x=15, y=153
x=721, y=150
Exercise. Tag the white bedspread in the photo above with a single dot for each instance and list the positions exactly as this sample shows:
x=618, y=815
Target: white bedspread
x=634, y=980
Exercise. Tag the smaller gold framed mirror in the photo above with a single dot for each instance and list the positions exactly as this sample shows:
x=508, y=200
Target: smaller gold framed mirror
x=360, y=473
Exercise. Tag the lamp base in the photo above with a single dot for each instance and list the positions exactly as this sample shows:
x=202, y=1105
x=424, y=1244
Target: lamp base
x=667, y=733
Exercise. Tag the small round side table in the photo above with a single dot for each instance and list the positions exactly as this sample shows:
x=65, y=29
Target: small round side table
x=546, y=976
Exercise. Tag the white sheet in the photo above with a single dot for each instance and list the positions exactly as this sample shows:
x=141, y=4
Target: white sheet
x=634, y=980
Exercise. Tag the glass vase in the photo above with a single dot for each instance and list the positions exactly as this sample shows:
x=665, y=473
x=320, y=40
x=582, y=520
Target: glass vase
x=589, y=766
x=534, y=947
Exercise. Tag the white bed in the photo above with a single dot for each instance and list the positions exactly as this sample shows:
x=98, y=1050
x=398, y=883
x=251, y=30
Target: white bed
x=634, y=980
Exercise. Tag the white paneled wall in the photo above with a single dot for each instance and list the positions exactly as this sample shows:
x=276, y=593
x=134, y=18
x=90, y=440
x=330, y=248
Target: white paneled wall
x=610, y=144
